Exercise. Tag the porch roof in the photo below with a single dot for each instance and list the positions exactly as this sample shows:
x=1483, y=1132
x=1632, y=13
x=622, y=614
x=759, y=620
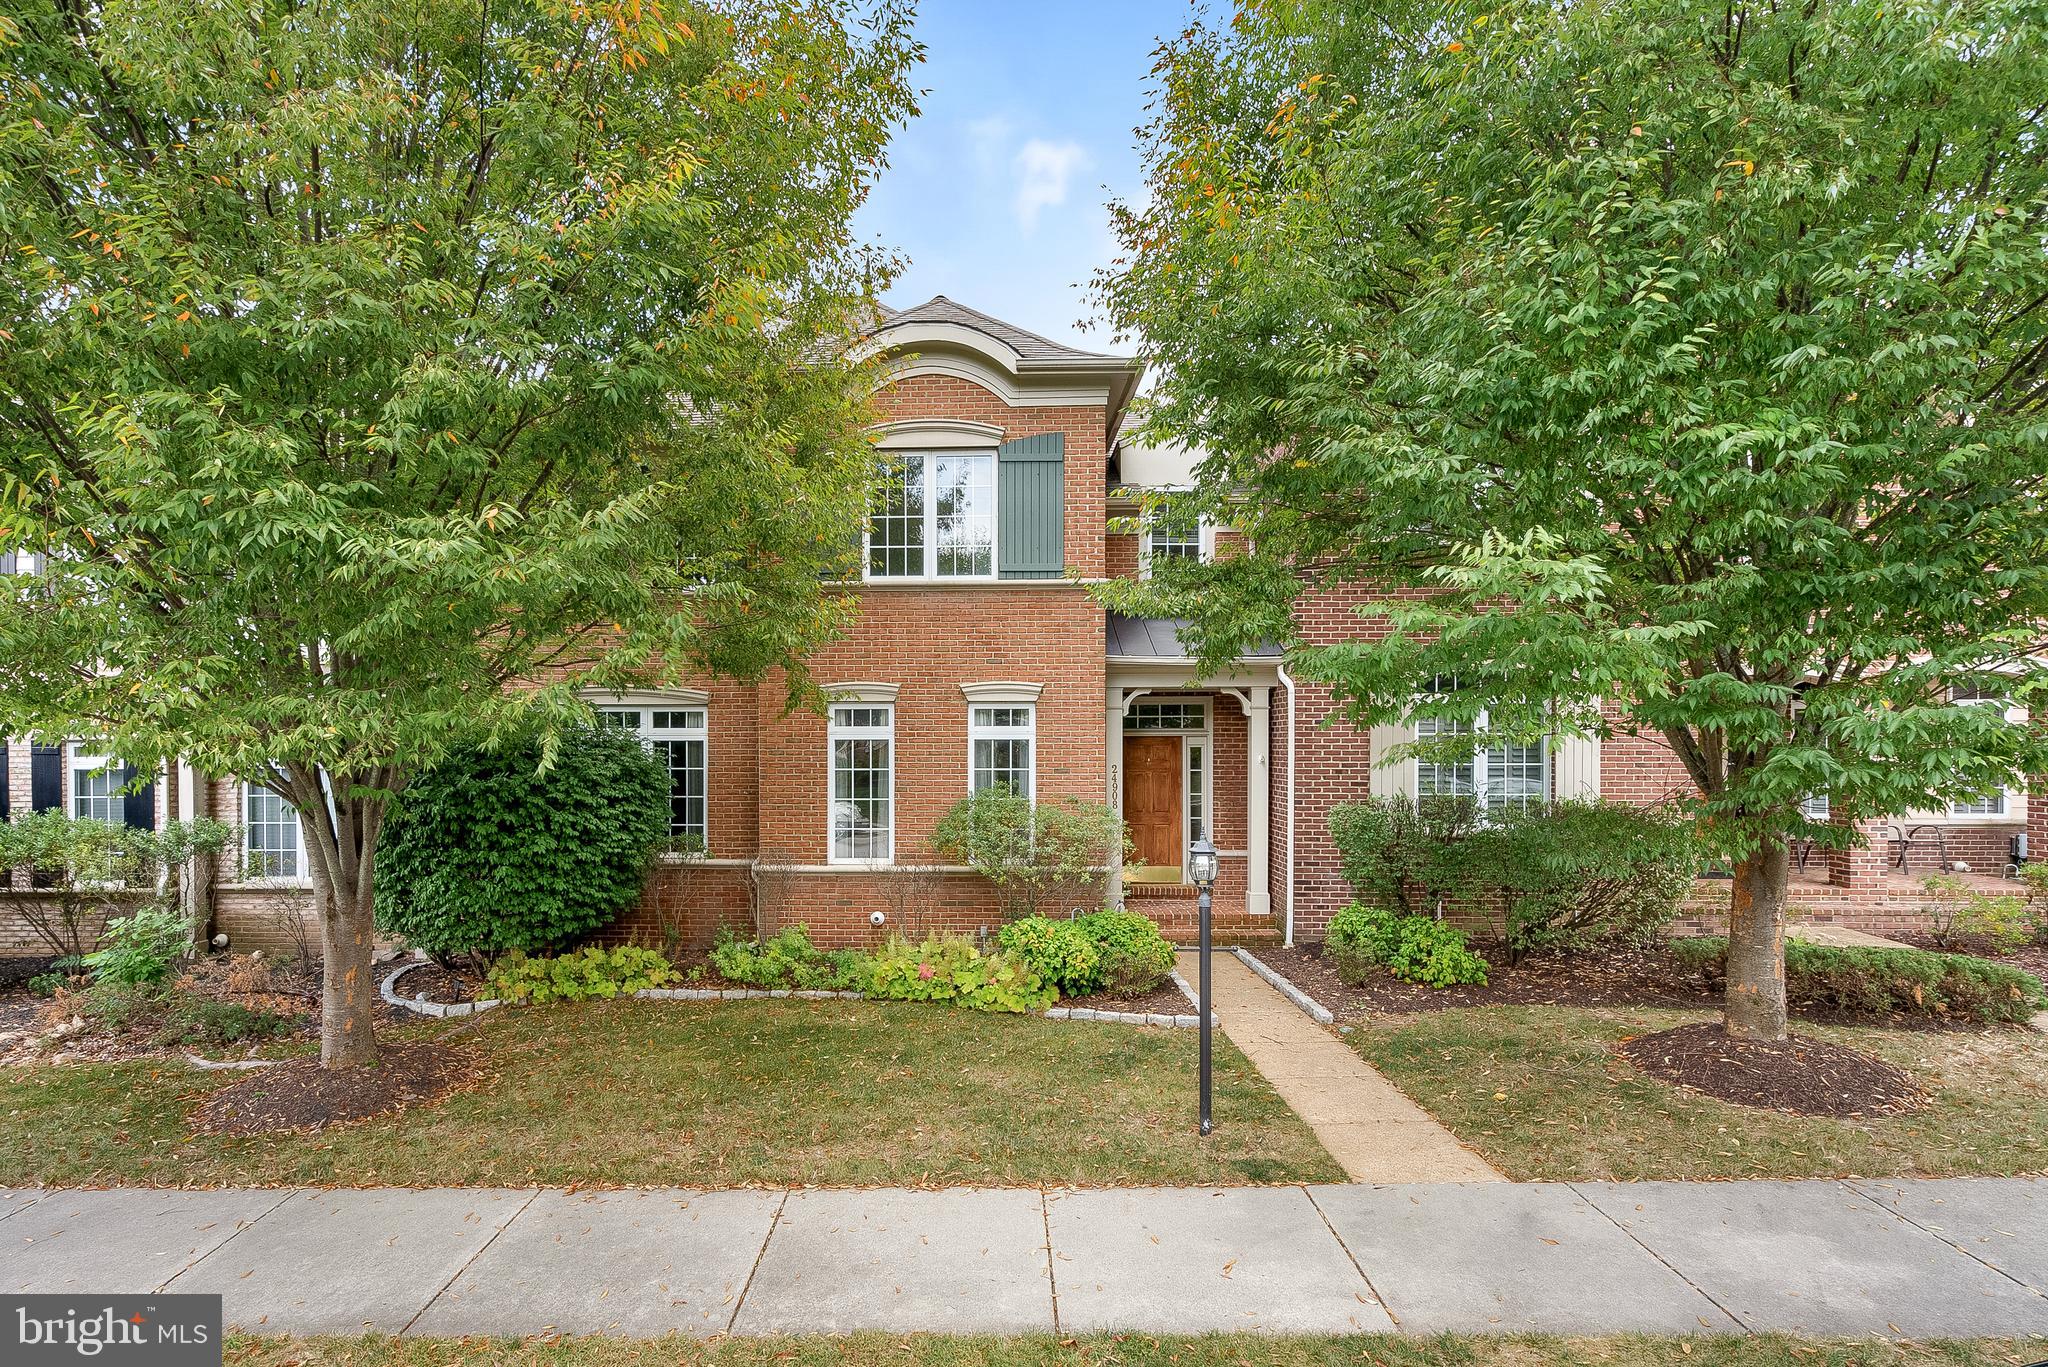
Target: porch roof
x=1158, y=638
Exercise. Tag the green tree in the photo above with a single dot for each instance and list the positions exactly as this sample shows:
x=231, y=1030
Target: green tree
x=1689, y=356
x=360, y=359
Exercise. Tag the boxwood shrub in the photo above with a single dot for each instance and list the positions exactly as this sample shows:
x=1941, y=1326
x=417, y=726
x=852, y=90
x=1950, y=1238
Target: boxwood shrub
x=1872, y=981
x=487, y=853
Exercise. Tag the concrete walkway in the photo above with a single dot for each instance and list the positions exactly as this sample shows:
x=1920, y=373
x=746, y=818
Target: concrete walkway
x=1375, y=1133
x=1912, y=1259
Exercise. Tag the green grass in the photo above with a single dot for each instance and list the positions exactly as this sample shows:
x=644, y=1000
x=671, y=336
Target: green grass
x=1541, y=1093
x=659, y=1093
x=1125, y=1350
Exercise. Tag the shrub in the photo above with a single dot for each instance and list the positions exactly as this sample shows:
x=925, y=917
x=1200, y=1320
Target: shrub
x=1059, y=951
x=120, y=1006
x=587, y=973
x=488, y=852
x=1577, y=875
x=202, y=1021
x=48, y=984
x=140, y=947
x=1872, y=981
x=87, y=872
x=1416, y=949
x=1041, y=858
x=1135, y=957
x=1400, y=855
x=953, y=970
x=786, y=959
x=1957, y=912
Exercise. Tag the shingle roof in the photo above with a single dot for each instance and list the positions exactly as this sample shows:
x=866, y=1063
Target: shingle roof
x=1158, y=638
x=1029, y=345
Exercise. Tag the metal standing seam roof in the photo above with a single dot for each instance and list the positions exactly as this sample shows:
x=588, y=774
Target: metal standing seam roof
x=1158, y=638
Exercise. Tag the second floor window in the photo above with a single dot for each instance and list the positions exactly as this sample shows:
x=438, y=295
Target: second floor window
x=934, y=516
x=1168, y=538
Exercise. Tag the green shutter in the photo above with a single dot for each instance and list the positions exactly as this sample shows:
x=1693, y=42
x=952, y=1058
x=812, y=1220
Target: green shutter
x=1031, y=507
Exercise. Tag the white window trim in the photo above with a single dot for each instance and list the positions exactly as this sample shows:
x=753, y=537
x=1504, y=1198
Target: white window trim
x=1205, y=544
x=931, y=523
x=644, y=706
x=76, y=758
x=1206, y=739
x=998, y=691
x=1027, y=733
x=2012, y=805
x=304, y=877
x=834, y=733
x=1482, y=773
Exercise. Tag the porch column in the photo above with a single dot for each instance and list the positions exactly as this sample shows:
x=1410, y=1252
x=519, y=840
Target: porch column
x=1258, y=806
x=1113, y=769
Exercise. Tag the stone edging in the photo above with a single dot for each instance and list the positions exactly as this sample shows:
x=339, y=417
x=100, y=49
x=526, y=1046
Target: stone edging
x=1310, y=1007
x=419, y=1003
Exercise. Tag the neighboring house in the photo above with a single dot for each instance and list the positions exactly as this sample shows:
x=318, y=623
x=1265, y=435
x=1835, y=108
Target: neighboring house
x=980, y=657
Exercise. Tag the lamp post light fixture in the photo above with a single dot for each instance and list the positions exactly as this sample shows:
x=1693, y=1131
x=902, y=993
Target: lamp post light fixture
x=1202, y=869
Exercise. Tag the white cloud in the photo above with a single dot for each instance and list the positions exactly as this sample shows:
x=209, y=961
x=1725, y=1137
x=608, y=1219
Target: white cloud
x=1043, y=170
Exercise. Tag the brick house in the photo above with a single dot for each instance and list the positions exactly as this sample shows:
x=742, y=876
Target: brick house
x=978, y=657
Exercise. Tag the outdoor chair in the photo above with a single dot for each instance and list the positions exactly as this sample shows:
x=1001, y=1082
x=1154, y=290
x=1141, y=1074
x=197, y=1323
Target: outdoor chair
x=1907, y=839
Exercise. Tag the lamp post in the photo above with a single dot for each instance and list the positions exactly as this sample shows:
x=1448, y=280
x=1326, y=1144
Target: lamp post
x=1202, y=869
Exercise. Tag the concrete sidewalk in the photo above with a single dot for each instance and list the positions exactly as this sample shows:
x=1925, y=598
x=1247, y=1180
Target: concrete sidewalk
x=1913, y=1259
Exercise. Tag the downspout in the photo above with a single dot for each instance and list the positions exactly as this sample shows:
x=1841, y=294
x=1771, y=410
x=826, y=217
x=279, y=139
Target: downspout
x=1293, y=744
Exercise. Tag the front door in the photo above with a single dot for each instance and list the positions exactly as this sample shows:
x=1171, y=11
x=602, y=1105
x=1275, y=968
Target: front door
x=1152, y=778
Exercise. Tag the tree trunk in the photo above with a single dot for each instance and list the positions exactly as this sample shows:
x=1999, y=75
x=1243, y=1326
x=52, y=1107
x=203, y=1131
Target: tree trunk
x=348, y=990
x=1755, y=1005
x=342, y=820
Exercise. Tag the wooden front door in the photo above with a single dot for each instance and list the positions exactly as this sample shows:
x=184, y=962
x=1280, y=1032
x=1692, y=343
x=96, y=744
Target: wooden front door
x=1152, y=779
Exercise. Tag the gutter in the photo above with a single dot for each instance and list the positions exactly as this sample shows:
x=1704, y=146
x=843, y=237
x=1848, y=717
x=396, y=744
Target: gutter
x=1293, y=745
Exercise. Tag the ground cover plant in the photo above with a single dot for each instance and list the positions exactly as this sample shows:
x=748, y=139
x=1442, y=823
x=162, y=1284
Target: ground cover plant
x=715, y=1094
x=1545, y=1095
x=786, y=959
x=1416, y=949
x=1129, y=1350
x=590, y=973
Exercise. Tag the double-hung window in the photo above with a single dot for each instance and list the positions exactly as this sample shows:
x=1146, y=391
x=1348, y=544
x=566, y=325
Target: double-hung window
x=1992, y=803
x=677, y=736
x=96, y=783
x=863, y=739
x=1170, y=538
x=270, y=836
x=1496, y=777
x=1000, y=743
x=934, y=516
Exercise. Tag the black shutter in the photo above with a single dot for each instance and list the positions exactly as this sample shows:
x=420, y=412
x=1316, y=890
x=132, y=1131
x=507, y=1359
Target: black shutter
x=45, y=778
x=138, y=808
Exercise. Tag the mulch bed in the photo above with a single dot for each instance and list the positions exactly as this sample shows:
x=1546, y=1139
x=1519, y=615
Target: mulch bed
x=302, y=1096
x=16, y=972
x=1164, y=1000
x=439, y=984
x=1621, y=977
x=1801, y=1076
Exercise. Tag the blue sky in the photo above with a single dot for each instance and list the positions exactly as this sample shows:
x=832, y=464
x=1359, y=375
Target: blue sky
x=997, y=191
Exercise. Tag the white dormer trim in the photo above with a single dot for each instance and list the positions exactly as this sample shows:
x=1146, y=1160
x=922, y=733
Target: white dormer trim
x=935, y=434
x=646, y=697
x=862, y=692
x=976, y=371
x=909, y=336
x=1001, y=691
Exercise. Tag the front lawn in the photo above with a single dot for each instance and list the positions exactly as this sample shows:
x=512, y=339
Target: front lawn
x=1540, y=1092
x=661, y=1093
x=1125, y=1350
